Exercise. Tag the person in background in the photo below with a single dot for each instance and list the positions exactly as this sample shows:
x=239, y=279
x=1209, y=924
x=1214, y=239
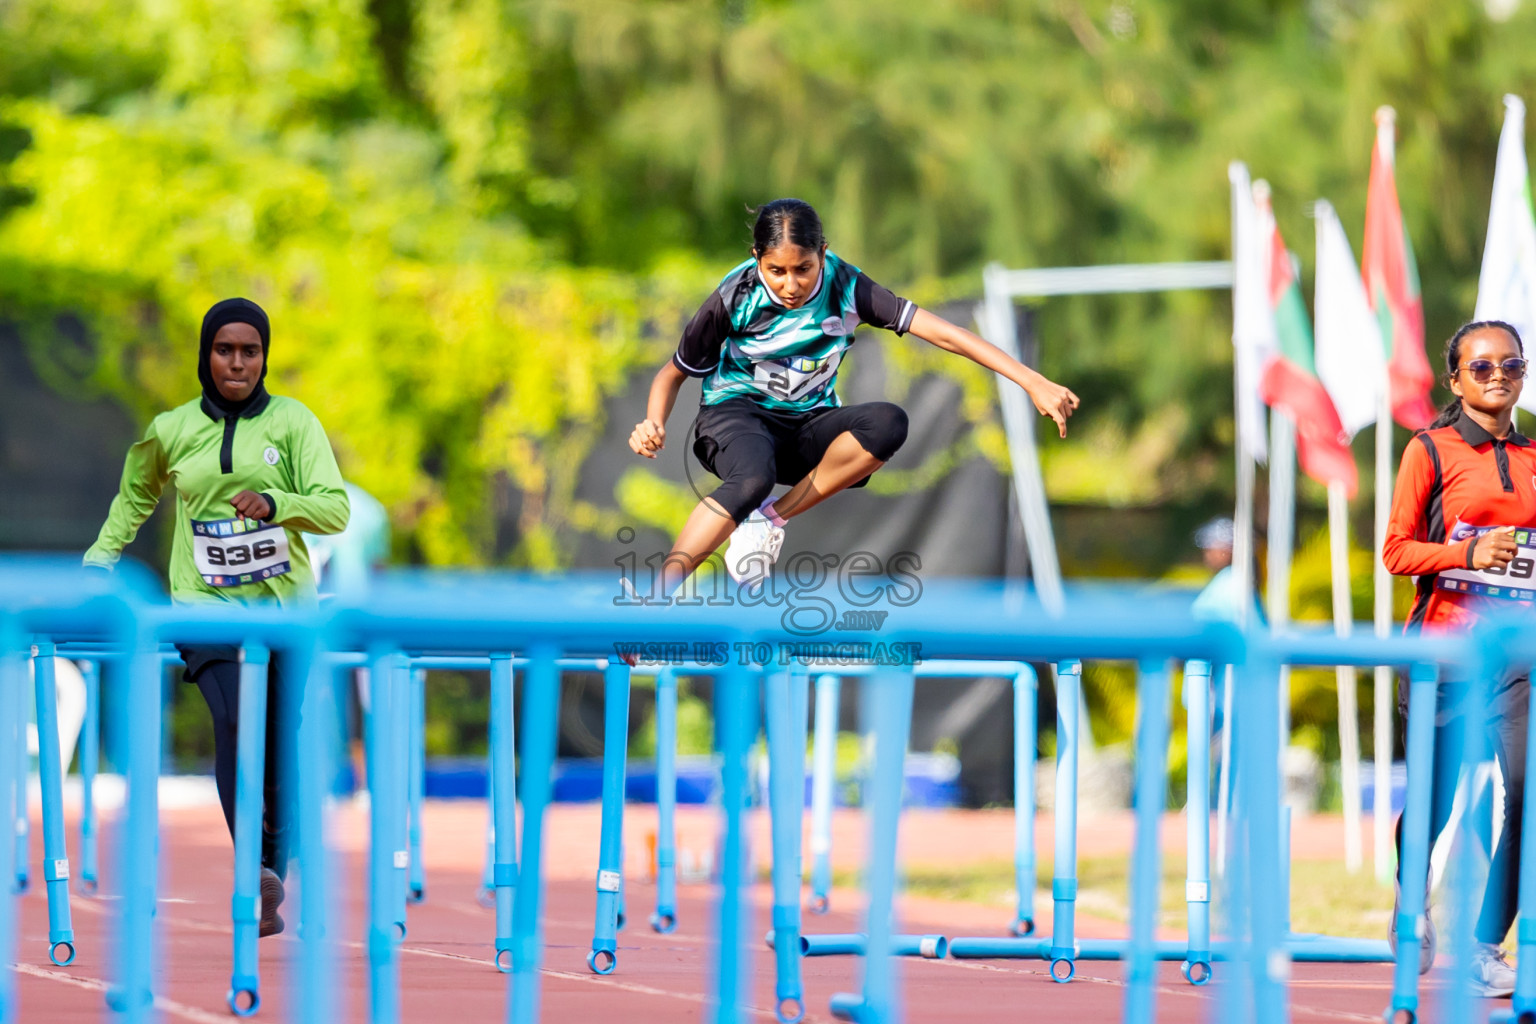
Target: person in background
x=1463, y=514
x=344, y=563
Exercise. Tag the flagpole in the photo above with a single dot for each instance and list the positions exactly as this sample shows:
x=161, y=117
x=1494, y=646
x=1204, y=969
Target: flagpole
x=1282, y=536
x=1381, y=804
x=1349, y=712
x=1242, y=541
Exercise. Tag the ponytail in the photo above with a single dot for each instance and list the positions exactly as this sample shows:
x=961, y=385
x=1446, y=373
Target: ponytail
x=1450, y=412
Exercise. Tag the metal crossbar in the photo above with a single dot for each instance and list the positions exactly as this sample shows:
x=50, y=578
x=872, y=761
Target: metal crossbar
x=542, y=620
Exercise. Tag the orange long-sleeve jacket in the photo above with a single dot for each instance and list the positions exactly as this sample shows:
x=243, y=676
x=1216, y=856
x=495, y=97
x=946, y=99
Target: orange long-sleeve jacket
x=1455, y=476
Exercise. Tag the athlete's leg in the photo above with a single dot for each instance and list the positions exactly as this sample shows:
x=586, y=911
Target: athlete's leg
x=282, y=728
x=1449, y=740
x=844, y=446
x=219, y=683
x=1508, y=733
x=745, y=466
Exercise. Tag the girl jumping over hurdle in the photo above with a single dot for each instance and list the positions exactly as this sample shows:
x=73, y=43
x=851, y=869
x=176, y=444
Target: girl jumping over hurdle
x=1466, y=494
x=252, y=473
x=767, y=343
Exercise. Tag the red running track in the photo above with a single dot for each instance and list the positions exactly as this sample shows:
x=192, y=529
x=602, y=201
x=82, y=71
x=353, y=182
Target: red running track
x=447, y=973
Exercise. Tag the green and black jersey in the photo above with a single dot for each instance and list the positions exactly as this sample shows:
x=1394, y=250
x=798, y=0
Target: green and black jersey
x=280, y=451
x=744, y=344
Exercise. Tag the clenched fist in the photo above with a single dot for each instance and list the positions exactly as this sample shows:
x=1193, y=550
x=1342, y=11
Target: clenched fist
x=1496, y=547
x=251, y=505
x=648, y=438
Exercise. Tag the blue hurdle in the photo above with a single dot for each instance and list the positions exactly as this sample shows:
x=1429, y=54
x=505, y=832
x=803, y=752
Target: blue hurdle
x=823, y=779
x=664, y=920
x=543, y=619
x=416, y=777
x=90, y=753
x=20, y=768
x=13, y=680
x=604, y=956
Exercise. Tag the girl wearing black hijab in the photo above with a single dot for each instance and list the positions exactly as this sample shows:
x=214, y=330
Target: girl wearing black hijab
x=252, y=473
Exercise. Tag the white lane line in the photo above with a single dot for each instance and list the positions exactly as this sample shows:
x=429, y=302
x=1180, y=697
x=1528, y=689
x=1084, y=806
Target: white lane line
x=1297, y=1009
x=169, y=1006
x=591, y=979
x=607, y=981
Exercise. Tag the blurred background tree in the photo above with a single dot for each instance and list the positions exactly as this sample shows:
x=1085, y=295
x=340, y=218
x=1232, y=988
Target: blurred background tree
x=477, y=223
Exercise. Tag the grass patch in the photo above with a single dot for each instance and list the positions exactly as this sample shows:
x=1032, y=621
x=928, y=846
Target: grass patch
x=1324, y=897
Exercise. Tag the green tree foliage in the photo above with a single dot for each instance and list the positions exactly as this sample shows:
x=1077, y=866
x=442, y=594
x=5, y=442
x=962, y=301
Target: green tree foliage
x=483, y=216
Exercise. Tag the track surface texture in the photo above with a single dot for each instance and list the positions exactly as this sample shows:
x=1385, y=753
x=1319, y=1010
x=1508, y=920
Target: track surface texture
x=446, y=968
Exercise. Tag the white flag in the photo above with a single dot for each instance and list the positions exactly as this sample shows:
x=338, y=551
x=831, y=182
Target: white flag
x=1506, y=289
x=1351, y=362
x=1253, y=323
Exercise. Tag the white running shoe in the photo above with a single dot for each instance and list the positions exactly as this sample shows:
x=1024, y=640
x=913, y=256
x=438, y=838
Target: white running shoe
x=1491, y=974
x=753, y=549
x=1426, y=942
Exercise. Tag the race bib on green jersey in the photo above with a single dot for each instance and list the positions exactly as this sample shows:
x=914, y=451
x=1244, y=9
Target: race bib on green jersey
x=796, y=377
x=232, y=552
x=1513, y=582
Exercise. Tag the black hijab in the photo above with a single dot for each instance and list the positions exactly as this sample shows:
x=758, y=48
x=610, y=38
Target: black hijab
x=232, y=311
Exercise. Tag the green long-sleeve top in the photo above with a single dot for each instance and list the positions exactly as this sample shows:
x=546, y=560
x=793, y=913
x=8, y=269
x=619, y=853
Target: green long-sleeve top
x=281, y=452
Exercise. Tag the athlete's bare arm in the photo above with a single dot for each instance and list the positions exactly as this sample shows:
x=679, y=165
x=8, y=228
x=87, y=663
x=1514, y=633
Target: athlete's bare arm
x=650, y=435
x=1050, y=398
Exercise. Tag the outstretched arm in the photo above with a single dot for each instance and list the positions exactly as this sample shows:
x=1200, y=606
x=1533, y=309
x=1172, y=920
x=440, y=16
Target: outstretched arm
x=1050, y=398
x=650, y=434
x=144, y=477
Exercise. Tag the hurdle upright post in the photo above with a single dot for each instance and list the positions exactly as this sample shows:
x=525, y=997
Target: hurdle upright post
x=1458, y=1001
x=786, y=800
x=503, y=805
x=1411, y=910
x=1069, y=688
x=604, y=957
x=383, y=961
x=397, y=766
x=1151, y=780
x=735, y=725
x=664, y=920
x=1197, y=815
x=541, y=704
x=887, y=706
x=823, y=782
x=316, y=757
x=21, y=769
x=13, y=678
x=1524, y=1001
x=50, y=773
x=1025, y=726
x=416, y=781
x=1258, y=778
x=133, y=995
x=90, y=757
x=244, y=995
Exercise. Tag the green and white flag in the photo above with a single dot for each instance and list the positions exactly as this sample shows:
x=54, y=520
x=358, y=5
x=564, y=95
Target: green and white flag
x=1506, y=289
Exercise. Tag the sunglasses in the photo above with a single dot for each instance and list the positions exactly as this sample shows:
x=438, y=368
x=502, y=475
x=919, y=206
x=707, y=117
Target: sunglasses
x=1482, y=369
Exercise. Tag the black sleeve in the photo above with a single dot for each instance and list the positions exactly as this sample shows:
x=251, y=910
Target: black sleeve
x=881, y=307
x=698, y=353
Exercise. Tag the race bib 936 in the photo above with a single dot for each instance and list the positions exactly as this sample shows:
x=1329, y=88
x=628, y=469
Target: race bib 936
x=232, y=552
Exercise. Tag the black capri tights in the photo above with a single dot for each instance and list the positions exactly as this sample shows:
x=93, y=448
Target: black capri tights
x=752, y=449
x=219, y=682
